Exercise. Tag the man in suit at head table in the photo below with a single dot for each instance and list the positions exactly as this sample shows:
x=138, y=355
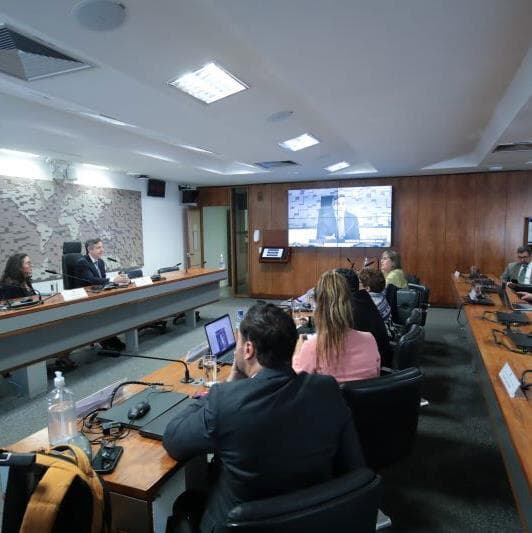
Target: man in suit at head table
x=272, y=431
x=521, y=270
x=90, y=270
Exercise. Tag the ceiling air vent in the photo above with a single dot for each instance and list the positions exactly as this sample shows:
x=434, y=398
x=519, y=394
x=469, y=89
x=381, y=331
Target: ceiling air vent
x=275, y=164
x=513, y=147
x=28, y=59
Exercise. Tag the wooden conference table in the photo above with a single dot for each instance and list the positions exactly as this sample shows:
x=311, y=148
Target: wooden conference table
x=146, y=480
x=511, y=417
x=28, y=336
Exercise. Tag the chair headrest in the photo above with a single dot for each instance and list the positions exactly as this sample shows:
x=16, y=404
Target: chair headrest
x=386, y=382
x=72, y=247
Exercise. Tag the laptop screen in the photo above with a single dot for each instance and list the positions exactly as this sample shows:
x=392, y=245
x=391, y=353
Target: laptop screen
x=220, y=335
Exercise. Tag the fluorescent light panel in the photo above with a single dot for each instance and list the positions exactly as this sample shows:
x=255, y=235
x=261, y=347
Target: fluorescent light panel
x=195, y=148
x=337, y=166
x=209, y=84
x=17, y=153
x=298, y=143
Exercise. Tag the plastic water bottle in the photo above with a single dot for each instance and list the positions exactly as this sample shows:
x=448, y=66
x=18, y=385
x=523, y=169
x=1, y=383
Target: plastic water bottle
x=61, y=413
x=239, y=317
x=221, y=262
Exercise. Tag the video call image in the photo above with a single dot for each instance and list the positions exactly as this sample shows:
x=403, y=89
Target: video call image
x=340, y=217
x=220, y=335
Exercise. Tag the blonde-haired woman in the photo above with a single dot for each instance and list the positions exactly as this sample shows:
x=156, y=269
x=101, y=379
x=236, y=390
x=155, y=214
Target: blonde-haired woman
x=337, y=349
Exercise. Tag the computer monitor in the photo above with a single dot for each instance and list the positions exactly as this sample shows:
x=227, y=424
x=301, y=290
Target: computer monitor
x=220, y=336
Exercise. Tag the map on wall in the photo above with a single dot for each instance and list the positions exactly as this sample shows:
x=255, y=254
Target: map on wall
x=37, y=216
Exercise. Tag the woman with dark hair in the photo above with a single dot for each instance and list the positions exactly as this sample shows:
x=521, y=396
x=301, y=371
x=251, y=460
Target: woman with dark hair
x=337, y=349
x=391, y=268
x=16, y=280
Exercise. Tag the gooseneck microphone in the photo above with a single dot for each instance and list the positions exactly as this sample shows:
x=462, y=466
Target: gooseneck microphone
x=50, y=271
x=26, y=301
x=112, y=259
x=186, y=378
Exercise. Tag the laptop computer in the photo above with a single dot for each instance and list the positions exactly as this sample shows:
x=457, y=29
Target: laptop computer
x=159, y=403
x=155, y=429
x=522, y=340
x=221, y=339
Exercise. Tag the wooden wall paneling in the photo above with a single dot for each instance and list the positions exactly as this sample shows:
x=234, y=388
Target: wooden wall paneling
x=519, y=206
x=406, y=221
x=431, y=236
x=283, y=275
x=259, y=213
x=214, y=196
x=440, y=223
x=460, y=205
x=490, y=221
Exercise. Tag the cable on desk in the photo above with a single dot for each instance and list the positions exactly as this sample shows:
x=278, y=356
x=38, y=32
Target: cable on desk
x=118, y=387
x=504, y=345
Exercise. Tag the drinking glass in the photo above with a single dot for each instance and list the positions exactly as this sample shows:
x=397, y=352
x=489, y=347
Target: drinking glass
x=209, y=369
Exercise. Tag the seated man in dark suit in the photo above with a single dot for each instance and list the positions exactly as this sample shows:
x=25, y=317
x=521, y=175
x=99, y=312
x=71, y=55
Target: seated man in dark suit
x=367, y=316
x=335, y=221
x=521, y=270
x=90, y=270
x=272, y=431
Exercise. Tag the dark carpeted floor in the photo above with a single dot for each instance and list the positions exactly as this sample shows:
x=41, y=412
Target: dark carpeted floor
x=455, y=479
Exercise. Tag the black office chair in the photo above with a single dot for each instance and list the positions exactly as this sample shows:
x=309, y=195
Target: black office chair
x=390, y=292
x=407, y=350
x=71, y=255
x=385, y=412
x=345, y=504
x=411, y=278
x=407, y=299
x=424, y=295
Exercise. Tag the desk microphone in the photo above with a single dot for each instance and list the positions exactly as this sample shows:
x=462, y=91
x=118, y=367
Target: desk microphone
x=186, y=378
x=351, y=263
x=112, y=259
x=27, y=301
x=49, y=271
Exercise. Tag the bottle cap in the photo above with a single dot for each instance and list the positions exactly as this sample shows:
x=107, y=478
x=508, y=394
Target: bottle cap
x=59, y=380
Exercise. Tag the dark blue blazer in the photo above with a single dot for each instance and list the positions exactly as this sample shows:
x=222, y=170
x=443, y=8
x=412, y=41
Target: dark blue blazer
x=271, y=434
x=88, y=274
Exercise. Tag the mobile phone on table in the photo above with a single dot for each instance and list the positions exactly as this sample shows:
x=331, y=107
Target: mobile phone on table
x=105, y=461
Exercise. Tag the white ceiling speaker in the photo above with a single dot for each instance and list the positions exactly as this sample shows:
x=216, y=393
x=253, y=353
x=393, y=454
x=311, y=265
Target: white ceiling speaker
x=99, y=15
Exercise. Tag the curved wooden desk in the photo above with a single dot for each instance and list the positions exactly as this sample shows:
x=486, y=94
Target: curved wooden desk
x=146, y=480
x=511, y=417
x=30, y=335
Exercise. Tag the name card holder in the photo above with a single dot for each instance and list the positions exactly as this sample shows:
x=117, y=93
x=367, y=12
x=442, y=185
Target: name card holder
x=74, y=294
x=142, y=282
x=510, y=381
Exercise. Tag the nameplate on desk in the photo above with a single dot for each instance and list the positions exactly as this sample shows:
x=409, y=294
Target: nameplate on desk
x=510, y=381
x=74, y=294
x=142, y=282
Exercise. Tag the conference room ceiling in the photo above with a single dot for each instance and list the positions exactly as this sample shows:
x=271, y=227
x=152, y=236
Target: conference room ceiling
x=391, y=87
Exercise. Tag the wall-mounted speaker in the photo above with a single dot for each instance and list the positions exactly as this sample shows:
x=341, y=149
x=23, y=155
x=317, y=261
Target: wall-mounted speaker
x=156, y=188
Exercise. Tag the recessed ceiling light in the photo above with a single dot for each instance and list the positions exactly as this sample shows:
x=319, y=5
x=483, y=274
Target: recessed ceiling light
x=337, y=166
x=96, y=167
x=195, y=148
x=159, y=157
x=107, y=119
x=528, y=163
x=298, y=143
x=209, y=84
x=18, y=153
x=495, y=167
